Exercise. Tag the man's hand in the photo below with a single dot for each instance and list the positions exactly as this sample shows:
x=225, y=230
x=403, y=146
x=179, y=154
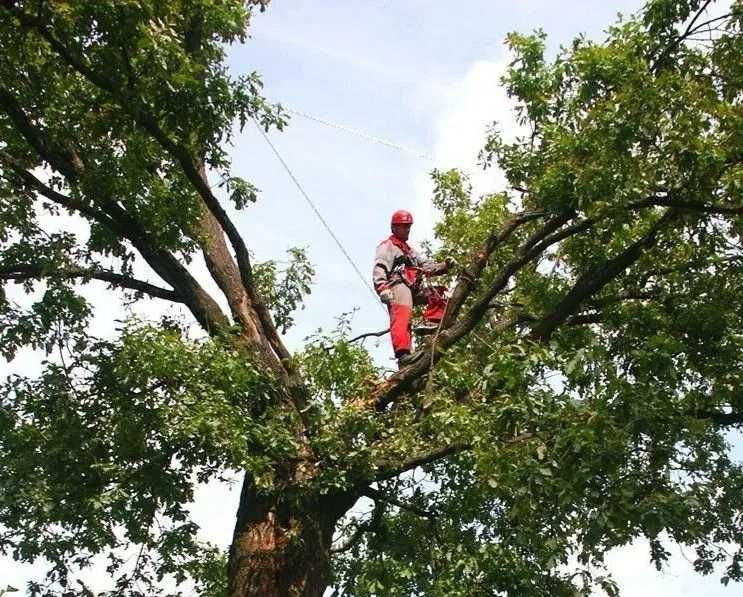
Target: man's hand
x=442, y=267
x=385, y=296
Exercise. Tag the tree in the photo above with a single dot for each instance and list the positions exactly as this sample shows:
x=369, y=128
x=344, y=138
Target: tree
x=575, y=397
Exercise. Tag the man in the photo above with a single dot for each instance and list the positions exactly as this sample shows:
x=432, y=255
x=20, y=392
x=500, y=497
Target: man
x=396, y=276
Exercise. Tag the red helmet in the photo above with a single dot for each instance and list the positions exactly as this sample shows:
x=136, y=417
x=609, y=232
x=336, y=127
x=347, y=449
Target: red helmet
x=402, y=217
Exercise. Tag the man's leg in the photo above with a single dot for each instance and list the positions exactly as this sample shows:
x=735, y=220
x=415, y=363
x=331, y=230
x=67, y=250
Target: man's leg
x=401, y=309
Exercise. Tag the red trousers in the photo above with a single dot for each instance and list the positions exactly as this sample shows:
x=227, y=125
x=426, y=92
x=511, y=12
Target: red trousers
x=401, y=310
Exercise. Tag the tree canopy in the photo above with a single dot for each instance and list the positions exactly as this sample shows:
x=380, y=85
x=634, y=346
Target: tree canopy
x=576, y=396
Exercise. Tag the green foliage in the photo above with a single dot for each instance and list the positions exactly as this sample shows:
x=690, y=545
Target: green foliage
x=60, y=316
x=452, y=197
x=338, y=374
x=104, y=449
x=284, y=295
x=138, y=49
x=208, y=571
x=612, y=429
x=241, y=191
x=600, y=437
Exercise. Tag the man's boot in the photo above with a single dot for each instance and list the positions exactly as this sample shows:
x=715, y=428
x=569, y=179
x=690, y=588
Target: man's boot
x=404, y=358
x=425, y=328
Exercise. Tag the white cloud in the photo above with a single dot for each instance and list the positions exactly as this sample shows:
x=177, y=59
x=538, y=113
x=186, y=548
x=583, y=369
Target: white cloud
x=637, y=577
x=467, y=108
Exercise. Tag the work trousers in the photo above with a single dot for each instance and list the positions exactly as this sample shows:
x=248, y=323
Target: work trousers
x=401, y=311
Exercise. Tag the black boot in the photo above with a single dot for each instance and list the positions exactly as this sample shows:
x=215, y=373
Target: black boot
x=404, y=358
x=425, y=328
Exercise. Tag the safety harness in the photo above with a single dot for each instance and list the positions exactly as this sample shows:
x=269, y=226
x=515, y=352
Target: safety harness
x=403, y=269
x=417, y=280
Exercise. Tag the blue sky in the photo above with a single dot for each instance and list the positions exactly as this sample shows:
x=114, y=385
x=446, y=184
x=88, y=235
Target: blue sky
x=421, y=74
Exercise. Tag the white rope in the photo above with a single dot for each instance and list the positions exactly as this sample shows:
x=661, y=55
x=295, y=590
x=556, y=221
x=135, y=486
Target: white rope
x=319, y=215
x=361, y=134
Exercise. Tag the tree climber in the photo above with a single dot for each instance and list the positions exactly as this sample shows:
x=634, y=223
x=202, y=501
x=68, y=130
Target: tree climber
x=397, y=277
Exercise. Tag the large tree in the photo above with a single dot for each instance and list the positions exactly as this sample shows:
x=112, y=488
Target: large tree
x=576, y=397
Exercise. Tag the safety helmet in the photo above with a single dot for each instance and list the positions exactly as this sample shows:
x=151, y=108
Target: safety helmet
x=402, y=217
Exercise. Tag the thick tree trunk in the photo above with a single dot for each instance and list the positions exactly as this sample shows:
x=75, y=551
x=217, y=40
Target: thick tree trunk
x=281, y=546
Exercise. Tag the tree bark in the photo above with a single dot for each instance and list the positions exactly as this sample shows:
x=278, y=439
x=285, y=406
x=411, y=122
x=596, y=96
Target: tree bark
x=281, y=544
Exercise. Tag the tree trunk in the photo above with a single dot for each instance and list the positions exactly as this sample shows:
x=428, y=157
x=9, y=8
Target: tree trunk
x=281, y=546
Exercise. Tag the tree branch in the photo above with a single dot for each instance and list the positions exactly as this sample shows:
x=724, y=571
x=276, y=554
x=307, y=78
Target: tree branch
x=68, y=164
x=377, y=495
x=210, y=232
x=689, y=205
x=368, y=335
x=353, y=540
x=362, y=337
x=27, y=271
x=191, y=166
x=478, y=261
x=64, y=200
x=391, y=470
x=731, y=419
x=695, y=18
x=204, y=308
x=365, y=527
x=690, y=30
x=590, y=282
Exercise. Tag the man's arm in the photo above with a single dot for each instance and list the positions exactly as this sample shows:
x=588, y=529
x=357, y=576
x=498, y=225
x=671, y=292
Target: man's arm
x=430, y=267
x=437, y=269
x=383, y=261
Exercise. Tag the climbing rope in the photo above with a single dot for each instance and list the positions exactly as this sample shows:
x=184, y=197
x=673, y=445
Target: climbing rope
x=361, y=134
x=319, y=215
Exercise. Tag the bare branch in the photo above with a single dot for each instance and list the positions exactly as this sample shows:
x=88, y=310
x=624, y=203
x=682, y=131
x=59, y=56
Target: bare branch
x=690, y=30
x=331, y=347
x=27, y=271
x=723, y=419
x=695, y=18
x=377, y=495
x=391, y=470
x=365, y=527
x=368, y=335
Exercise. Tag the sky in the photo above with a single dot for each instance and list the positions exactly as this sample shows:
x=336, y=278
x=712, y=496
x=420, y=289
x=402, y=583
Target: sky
x=422, y=75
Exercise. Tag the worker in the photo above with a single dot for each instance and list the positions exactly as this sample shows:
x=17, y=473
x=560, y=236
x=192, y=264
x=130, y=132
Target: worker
x=396, y=277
